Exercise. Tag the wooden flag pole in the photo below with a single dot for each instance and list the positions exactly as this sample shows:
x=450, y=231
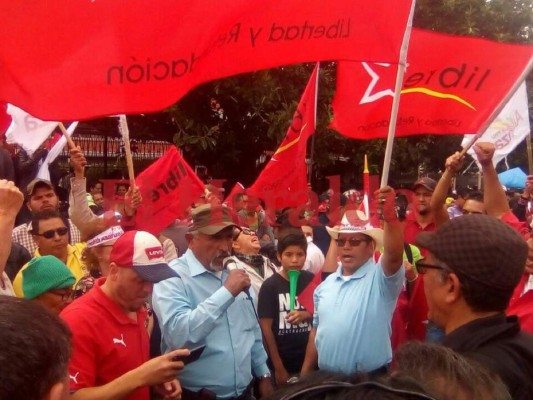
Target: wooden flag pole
x=70, y=142
x=529, y=154
x=123, y=125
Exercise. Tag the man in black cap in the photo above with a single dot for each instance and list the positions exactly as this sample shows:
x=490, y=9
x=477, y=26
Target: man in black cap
x=473, y=265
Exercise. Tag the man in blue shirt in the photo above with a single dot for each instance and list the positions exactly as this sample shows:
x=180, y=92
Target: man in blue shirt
x=354, y=305
x=209, y=305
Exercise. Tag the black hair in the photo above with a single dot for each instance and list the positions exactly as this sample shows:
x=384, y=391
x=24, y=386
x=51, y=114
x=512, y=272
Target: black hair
x=475, y=195
x=35, y=349
x=92, y=182
x=292, y=239
x=462, y=191
x=43, y=216
x=446, y=374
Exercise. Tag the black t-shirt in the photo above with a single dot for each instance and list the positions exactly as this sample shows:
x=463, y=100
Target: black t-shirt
x=274, y=302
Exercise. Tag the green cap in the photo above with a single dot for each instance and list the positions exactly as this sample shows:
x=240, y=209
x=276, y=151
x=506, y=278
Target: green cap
x=43, y=274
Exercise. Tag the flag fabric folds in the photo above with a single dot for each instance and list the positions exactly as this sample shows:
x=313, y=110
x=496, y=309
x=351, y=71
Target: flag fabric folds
x=168, y=187
x=509, y=128
x=27, y=131
x=57, y=148
x=283, y=181
x=121, y=56
x=452, y=85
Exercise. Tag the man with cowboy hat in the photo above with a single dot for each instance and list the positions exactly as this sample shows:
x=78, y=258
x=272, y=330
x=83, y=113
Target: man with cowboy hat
x=354, y=305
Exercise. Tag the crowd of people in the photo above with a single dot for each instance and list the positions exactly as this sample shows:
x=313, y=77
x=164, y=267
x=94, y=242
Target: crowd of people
x=422, y=296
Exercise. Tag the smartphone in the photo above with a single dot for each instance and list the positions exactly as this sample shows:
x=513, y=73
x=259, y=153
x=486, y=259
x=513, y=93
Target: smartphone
x=195, y=355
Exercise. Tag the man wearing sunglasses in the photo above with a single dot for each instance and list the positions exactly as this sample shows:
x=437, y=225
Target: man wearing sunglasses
x=354, y=305
x=473, y=265
x=51, y=237
x=40, y=197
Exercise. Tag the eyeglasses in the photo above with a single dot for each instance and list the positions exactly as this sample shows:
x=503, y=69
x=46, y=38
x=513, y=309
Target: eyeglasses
x=353, y=242
x=51, y=233
x=422, y=266
x=65, y=296
x=244, y=231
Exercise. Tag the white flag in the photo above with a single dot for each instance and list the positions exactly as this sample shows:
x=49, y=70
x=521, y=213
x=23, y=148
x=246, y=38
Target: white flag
x=509, y=128
x=27, y=131
x=44, y=172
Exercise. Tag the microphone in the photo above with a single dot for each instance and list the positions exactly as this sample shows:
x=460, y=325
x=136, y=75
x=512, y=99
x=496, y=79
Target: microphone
x=230, y=264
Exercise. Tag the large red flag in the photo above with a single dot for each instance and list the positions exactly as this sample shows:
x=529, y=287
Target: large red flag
x=283, y=182
x=168, y=187
x=452, y=86
x=66, y=60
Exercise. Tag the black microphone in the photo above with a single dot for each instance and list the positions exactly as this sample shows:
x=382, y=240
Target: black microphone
x=230, y=264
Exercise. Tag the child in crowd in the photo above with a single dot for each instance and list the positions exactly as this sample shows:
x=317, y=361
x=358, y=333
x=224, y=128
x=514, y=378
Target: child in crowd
x=286, y=332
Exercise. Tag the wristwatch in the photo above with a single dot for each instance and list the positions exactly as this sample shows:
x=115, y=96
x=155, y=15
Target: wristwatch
x=266, y=376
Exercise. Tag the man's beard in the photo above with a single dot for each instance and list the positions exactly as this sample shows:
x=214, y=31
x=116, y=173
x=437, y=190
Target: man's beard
x=217, y=263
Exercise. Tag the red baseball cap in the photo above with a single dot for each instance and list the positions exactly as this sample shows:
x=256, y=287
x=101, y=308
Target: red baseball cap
x=142, y=252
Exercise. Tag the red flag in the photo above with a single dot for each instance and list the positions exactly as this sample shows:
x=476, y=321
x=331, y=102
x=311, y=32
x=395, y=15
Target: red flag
x=70, y=60
x=283, y=182
x=452, y=85
x=305, y=298
x=237, y=188
x=168, y=187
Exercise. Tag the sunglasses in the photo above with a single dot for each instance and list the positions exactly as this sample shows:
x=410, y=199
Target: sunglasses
x=422, y=266
x=65, y=296
x=51, y=233
x=244, y=231
x=353, y=242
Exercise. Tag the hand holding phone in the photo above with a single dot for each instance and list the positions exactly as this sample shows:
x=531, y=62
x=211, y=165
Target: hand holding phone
x=194, y=355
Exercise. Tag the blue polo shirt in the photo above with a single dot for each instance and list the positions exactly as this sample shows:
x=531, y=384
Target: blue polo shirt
x=353, y=318
x=197, y=309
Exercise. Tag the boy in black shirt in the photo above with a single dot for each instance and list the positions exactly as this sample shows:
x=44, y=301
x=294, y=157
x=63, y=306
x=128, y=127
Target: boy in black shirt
x=286, y=332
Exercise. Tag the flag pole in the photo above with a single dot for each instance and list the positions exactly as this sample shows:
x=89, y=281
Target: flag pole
x=123, y=125
x=69, y=140
x=529, y=154
x=396, y=99
x=499, y=108
x=311, y=157
x=366, y=188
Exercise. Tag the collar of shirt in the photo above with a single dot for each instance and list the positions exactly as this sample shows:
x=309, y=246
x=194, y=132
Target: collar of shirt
x=111, y=307
x=70, y=251
x=359, y=273
x=195, y=266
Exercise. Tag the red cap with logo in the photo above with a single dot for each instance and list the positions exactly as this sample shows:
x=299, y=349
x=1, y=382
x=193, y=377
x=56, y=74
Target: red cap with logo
x=142, y=252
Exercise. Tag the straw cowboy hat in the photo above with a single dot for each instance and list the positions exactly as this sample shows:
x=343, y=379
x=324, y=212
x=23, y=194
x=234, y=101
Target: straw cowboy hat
x=355, y=221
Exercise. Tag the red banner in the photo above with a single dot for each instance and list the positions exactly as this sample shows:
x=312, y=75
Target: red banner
x=283, y=182
x=69, y=60
x=168, y=186
x=452, y=85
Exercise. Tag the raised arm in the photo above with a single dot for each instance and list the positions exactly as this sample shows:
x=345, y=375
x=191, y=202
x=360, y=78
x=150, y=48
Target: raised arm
x=453, y=164
x=494, y=197
x=11, y=200
x=79, y=210
x=392, y=259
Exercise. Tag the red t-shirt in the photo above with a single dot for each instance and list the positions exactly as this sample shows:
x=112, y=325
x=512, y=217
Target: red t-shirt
x=417, y=312
x=106, y=343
